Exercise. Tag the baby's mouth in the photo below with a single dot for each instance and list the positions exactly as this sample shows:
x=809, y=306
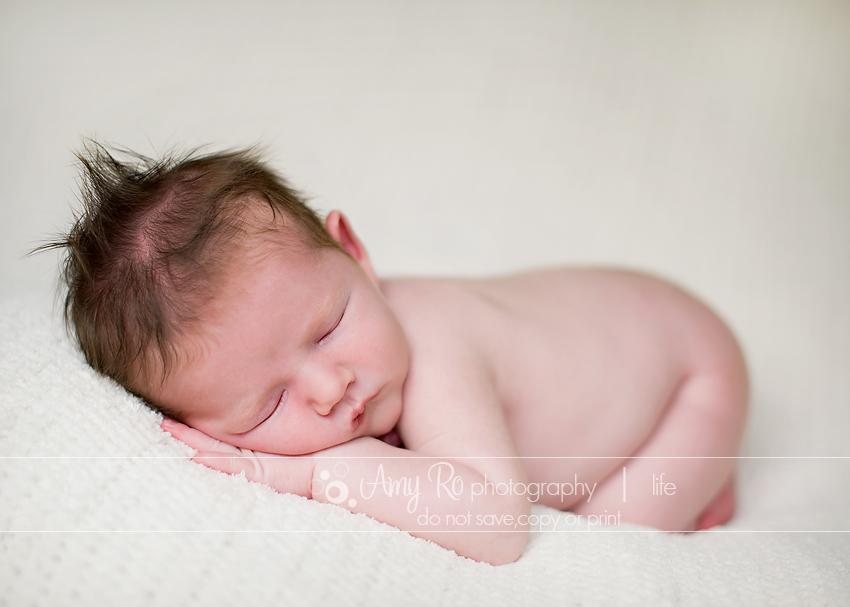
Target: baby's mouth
x=358, y=412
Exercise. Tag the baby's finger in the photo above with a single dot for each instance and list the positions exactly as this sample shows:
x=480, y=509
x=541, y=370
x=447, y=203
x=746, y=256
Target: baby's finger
x=195, y=438
x=227, y=463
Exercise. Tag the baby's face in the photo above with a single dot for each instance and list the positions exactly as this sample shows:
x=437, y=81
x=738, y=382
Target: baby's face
x=299, y=352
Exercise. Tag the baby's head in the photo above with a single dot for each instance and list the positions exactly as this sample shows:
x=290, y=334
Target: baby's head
x=206, y=286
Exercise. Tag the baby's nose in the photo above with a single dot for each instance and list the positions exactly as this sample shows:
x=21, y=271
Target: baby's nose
x=329, y=389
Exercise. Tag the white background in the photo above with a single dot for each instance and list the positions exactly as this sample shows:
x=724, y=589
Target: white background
x=708, y=142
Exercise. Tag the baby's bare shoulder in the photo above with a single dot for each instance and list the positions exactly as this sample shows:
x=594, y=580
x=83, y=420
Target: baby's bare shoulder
x=430, y=300
x=449, y=393
x=442, y=319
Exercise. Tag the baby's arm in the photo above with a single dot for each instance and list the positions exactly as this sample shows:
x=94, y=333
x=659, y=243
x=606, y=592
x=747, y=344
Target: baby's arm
x=442, y=499
x=443, y=491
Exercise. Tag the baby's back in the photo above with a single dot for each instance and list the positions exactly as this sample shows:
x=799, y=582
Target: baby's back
x=582, y=361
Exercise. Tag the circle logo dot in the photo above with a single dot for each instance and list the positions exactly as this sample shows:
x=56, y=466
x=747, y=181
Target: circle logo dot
x=341, y=496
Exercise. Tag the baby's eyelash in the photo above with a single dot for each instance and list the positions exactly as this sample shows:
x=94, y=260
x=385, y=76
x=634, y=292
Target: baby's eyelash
x=267, y=417
x=274, y=409
x=339, y=320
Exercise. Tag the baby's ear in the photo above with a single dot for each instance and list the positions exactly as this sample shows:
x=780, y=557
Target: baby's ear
x=340, y=230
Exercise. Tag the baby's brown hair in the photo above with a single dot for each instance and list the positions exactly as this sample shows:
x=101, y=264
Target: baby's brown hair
x=141, y=256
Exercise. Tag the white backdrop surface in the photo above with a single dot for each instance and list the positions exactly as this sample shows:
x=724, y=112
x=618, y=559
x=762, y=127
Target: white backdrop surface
x=708, y=142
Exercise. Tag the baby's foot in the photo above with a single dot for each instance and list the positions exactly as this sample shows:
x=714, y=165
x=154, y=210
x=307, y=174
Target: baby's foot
x=721, y=509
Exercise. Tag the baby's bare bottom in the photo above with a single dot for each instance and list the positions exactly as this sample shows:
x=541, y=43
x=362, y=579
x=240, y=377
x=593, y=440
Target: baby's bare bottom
x=693, y=446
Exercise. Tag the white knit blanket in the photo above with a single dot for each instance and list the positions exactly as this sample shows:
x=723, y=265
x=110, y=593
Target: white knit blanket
x=707, y=142
x=98, y=506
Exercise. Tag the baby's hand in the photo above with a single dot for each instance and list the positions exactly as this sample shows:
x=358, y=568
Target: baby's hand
x=284, y=474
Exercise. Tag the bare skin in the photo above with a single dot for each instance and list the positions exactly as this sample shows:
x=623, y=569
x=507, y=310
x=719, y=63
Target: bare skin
x=557, y=376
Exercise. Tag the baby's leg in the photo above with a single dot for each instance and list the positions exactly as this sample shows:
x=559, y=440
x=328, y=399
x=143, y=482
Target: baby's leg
x=687, y=460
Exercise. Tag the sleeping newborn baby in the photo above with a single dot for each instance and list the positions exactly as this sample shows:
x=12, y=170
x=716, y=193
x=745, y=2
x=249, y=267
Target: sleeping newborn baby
x=443, y=407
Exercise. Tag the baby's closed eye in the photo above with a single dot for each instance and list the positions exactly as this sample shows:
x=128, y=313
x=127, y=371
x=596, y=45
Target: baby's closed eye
x=265, y=414
x=335, y=325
